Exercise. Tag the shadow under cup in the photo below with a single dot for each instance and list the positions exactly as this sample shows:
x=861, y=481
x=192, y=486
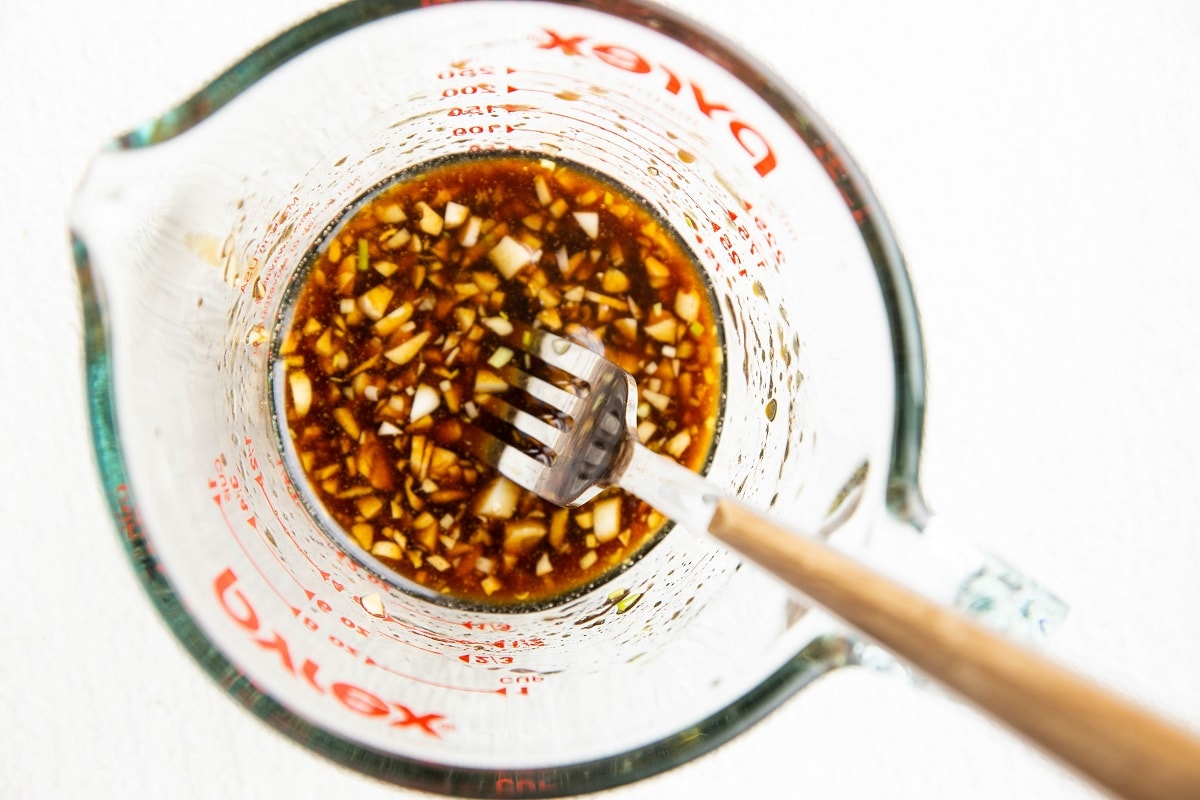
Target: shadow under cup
x=189, y=233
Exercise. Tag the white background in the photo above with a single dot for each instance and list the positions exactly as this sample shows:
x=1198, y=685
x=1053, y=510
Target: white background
x=1041, y=163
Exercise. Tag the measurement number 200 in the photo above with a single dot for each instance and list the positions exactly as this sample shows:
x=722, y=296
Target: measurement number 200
x=474, y=88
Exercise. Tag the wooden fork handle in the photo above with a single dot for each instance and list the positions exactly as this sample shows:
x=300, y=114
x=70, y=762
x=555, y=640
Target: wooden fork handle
x=1105, y=738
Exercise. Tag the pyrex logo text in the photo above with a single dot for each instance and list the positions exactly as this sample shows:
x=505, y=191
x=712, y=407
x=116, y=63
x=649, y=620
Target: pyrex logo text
x=353, y=698
x=750, y=140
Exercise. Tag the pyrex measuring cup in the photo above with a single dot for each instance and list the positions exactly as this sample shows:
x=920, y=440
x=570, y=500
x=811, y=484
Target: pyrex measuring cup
x=188, y=232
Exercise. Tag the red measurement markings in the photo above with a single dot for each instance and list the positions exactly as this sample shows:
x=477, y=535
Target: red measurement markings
x=479, y=130
x=127, y=516
x=739, y=225
x=411, y=611
x=261, y=481
x=498, y=644
x=396, y=638
x=372, y=662
x=488, y=110
x=258, y=277
x=461, y=70
x=470, y=90
x=731, y=234
x=227, y=490
x=346, y=562
x=518, y=785
x=517, y=644
x=635, y=145
x=490, y=627
x=426, y=633
x=485, y=658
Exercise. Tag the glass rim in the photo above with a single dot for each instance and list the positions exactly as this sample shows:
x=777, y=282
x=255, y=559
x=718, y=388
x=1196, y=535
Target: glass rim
x=903, y=497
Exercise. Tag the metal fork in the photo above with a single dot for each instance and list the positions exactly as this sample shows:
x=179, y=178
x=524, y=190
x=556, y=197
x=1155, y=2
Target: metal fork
x=588, y=442
x=582, y=438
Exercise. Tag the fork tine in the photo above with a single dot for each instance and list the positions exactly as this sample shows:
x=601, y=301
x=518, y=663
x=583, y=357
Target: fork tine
x=539, y=389
x=523, y=470
x=542, y=432
x=558, y=352
x=570, y=463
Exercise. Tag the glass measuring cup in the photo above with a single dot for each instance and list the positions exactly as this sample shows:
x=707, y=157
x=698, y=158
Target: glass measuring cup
x=188, y=232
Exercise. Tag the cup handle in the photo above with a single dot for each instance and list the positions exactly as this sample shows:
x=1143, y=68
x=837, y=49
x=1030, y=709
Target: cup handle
x=1104, y=737
x=937, y=561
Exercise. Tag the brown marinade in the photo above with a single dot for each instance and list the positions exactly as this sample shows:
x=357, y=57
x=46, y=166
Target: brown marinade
x=390, y=343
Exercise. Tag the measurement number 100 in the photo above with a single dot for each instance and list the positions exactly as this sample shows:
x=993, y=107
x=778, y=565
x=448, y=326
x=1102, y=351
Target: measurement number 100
x=475, y=130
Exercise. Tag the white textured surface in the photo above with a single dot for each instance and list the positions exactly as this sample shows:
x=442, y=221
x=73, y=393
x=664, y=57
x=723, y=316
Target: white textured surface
x=1041, y=162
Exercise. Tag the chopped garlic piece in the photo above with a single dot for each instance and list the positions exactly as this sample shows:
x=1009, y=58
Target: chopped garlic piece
x=606, y=519
x=403, y=353
x=373, y=605
x=489, y=383
x=431, y=222
x=663, y=330
x=425, y=402
x=499, y=358
x=543, y=191
x=392, y=214
x=470, y=234
x=455, y=214
x=614, y=281
x=374, y=302
x=398, y=240
x=521, y=535
x=301, y=388
x=678, y=444
x=589, y=221
x=657, y=399
x=687, y=305
x=386, y=549
x=498, y=499
x=499, y=326
x=509, y=255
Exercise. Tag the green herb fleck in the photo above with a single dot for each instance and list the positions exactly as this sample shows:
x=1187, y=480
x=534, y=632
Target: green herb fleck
x=364, y=256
